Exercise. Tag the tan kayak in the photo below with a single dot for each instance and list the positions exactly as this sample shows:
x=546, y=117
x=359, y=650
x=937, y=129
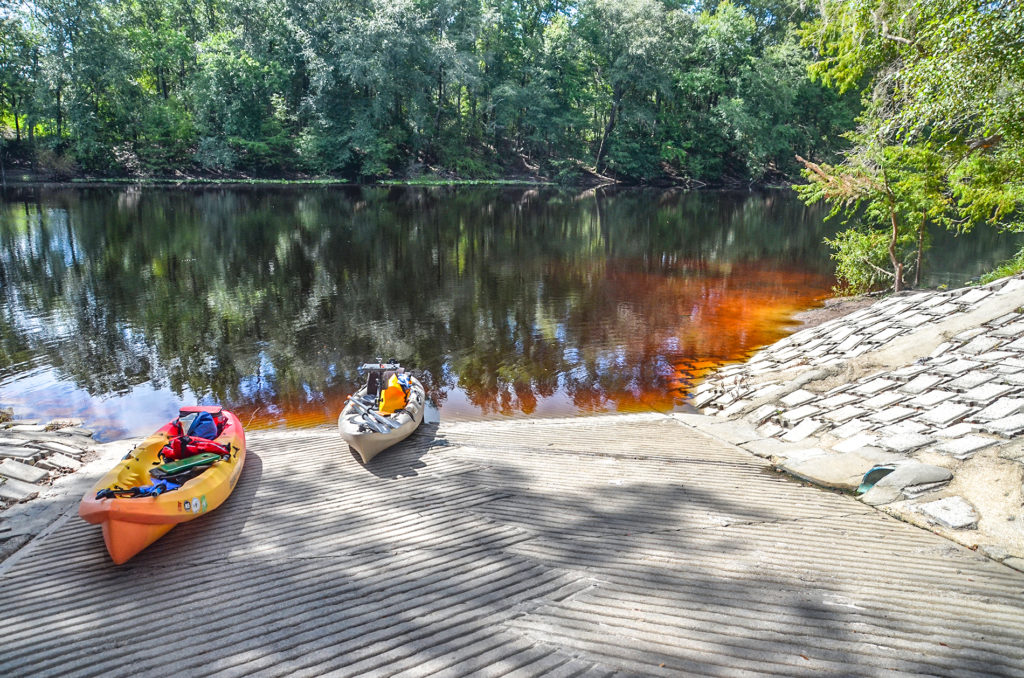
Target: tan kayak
x=369, y=432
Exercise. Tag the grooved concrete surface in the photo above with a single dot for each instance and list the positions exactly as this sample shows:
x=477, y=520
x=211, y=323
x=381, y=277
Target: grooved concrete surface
x=628, y=545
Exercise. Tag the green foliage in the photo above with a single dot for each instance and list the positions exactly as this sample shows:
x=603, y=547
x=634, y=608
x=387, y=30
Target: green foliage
x=1007, y=268
x=861, y=257
x=637, y=89
x=940, y=136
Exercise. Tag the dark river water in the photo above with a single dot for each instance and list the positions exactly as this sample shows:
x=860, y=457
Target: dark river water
x=121, y=303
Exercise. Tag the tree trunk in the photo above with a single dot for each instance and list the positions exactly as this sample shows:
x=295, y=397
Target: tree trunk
x=897, y=266
x=609, y=127
x=440, y=100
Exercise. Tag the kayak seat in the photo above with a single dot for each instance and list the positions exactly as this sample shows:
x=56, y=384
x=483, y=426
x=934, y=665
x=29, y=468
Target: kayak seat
x=184, y=466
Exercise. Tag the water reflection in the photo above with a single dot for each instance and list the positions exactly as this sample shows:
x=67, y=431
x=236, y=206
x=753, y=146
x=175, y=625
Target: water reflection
x=118, y=303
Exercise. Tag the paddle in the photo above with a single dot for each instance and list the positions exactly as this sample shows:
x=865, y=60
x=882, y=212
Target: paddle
x=367, y=412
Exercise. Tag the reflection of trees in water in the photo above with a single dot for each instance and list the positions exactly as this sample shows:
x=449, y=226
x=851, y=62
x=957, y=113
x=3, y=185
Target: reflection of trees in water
x=269, y=299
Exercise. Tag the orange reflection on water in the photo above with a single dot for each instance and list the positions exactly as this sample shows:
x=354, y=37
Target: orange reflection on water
x=643, y=340
x=700, y=321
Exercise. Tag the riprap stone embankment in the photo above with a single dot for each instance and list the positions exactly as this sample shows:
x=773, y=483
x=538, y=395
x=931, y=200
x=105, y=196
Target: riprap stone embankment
x=927, y=385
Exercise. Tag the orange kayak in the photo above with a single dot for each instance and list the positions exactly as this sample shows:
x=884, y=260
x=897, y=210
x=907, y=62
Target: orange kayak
x=136, y=503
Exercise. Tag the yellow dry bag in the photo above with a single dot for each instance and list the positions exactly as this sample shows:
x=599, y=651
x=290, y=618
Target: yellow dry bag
x=392, y=397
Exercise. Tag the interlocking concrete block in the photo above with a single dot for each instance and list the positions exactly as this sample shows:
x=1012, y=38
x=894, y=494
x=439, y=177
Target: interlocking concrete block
x=788, y=354
x=837, y=400
x=905, y=443
x=18, y=452
x=875, y=386
x=1007, y=427
x=1012, y=330
x=798, y=397
x=944, y=310
x=922, y=383
x=903, y=427
x=27, y=428
x=986, y=393
x=934, y=301
x=956, y=430
x=850, y=343
x=844, y=414
x=996, y=357
x=733, y=409
x=971, y=380
x=967, y=335
x=63, y=448
x=727, y=398
x=762, y=414
x=946, y=414
x=798, y=414
x=965, y=447
x=886, y=335
x=953, y=512
x=907, y=372
x=704, y=399
x=766, y=391
x=856, y=442
x=840, y=334
x=884, y=399
x=958, y=367
x=1012, y=286
x=891, y=415
x=981, y=344
x=974, y=296
x=803, y=430
x=1000, y=409
x=930, y=399
x=914, y=321
x=19, y=471
x=851, y=428
x=17, y=490
x=62, y=461
x=703, y=387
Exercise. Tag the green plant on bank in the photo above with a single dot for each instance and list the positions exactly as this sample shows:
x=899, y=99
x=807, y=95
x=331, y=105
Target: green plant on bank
x=939, y=141
x=895, y=194
x=1010, y=267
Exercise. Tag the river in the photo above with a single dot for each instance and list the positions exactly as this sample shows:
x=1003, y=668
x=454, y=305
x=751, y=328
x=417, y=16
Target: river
x=120, y=303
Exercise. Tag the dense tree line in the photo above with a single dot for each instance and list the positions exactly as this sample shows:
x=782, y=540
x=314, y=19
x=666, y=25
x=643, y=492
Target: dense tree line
x=638, y=90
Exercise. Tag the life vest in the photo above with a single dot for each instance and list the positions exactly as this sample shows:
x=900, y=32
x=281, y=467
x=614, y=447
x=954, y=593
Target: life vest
x=395, y=395
x=197, y=432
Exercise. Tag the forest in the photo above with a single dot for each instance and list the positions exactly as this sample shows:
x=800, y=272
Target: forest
x=902, y=115
x=636, y=91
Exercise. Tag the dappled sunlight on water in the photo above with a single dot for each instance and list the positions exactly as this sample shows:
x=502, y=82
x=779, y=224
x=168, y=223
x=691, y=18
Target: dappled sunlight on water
x=120, y=304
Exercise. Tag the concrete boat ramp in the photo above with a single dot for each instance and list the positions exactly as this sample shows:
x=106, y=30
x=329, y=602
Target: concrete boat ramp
x=623, y=545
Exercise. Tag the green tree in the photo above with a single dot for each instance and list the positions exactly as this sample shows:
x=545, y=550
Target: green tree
x=943, y=76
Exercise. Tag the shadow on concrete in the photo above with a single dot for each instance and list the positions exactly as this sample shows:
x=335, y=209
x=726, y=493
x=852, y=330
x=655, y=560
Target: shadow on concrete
x=315, y=565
